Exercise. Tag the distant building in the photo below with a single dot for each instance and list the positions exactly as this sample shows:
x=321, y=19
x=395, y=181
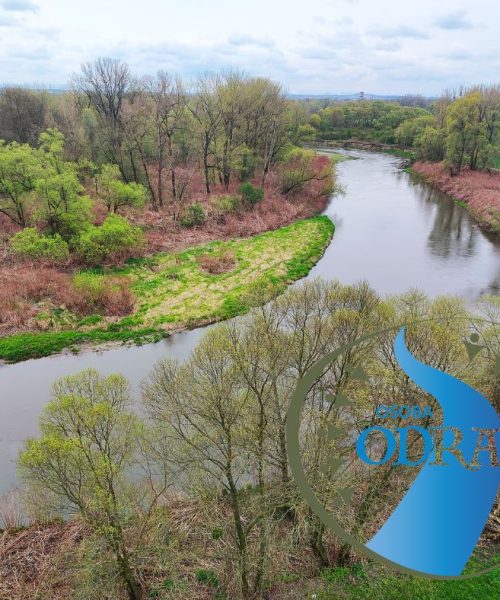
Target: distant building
x=361, y=95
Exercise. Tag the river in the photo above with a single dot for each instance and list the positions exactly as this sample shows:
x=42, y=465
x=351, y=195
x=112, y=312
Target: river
x=391, y=230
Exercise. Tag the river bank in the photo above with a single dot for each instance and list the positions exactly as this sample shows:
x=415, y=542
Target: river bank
x=477, y=191
x=183, y=290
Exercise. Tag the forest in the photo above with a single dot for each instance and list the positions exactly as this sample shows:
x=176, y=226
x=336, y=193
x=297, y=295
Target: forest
x=122, y=169
x=461, y=127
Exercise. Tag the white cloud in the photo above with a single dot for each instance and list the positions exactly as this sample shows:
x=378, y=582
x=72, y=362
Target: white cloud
x=324, y=46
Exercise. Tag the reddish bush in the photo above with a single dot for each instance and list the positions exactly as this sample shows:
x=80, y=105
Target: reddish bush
x=104, y=296
x=23, y=287
x=217, y=263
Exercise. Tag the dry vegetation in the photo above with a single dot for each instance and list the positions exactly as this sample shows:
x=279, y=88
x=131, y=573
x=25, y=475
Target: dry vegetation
x=479, y=190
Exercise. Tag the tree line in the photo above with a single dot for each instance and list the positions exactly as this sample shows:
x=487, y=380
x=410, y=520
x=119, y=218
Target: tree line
x=134, y=142
x=461, y=127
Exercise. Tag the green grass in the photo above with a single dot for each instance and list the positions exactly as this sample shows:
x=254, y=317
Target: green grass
x=355, y=584
x=174, y=292
x=24, y=346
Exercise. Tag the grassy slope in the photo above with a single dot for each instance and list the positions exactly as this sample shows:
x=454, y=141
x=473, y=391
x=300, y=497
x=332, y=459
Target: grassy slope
x=174, y=292
x=342, y=583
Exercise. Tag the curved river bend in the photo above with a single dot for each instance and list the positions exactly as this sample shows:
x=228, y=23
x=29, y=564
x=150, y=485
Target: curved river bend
x=393, y=231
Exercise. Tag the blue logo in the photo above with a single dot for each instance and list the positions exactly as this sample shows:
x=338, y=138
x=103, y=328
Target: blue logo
x=434, y=528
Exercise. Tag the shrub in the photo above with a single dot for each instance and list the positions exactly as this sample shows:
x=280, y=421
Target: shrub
x=217, y=263
x=20, y=287
x=251, y=194
x=226, y=204
x=116, y=235
x=194, y=216
x=29, y=243
x=110, y=296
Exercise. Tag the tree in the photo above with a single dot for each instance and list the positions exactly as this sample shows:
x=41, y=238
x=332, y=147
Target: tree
x=115, y=193
x=207, y=114
x=169, y=102
x=23, y=115
x=19, y=171
x=61, y=207
x=465, y=134
x=199, y=408
x=430, y=144
x=115, y=236
x=107, y=84
x=89, y=444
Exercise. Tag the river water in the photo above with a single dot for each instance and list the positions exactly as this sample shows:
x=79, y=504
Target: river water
x=391, y=230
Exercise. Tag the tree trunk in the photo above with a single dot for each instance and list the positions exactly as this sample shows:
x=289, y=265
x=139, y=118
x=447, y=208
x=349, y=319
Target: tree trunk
x=241, y=540
x=205, y=163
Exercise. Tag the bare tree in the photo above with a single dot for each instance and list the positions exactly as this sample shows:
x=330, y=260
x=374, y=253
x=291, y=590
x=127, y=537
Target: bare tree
x=23, y=115
x=107, y=83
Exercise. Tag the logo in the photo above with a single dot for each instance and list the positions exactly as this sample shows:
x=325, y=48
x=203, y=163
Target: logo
x=405, y=466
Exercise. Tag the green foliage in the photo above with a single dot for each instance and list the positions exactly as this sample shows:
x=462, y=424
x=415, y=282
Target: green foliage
x=226, y=204
x=60, y=205
x=251, y=194
x=114, y=236
x=430, y=144
x=19, y=170
x=29, y=243
x=116, y=193
x=409, y=130
x=194, y=215
x=207, y=577
x=370, y=120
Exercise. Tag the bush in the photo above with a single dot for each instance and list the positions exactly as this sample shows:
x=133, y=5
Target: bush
x=194, y=216
x=29, y=243
x=116, y=235
x=226, y=204
x=251, y=194
x=215, y=264
x=110, y=296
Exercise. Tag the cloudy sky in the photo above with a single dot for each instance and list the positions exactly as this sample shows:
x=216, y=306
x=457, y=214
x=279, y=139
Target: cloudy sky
x=316, y=46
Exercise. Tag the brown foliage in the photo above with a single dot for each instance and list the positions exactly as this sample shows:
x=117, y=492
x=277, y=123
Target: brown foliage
x=217, y=263
x=479, y=189
x=22, y=288
x=113, y=298
x=32, y=561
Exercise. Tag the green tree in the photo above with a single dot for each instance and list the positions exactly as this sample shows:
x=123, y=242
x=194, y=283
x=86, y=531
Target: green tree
x=61, y=205
x=116, y=235
x=115, y=193
x=430, y=144
x=29, y=243
x=19, y=171
x=89, y=443
x=465, y=133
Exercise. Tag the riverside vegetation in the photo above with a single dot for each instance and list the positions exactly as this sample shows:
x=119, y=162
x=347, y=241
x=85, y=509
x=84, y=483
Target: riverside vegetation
x=455, y=140
x=103, y=188
x=194, y=497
